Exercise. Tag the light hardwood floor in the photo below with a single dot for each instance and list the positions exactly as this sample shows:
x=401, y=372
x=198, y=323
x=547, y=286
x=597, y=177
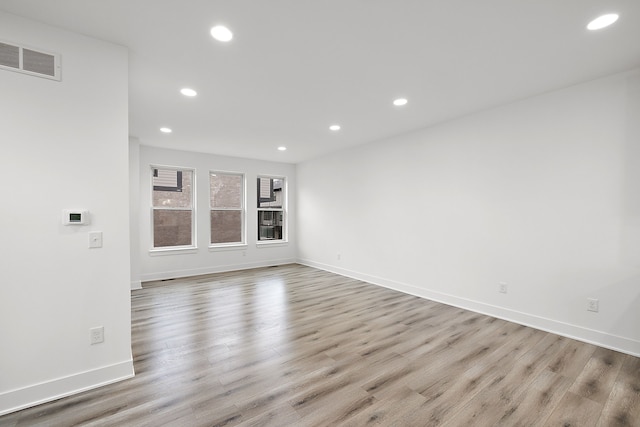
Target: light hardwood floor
x=296, y=346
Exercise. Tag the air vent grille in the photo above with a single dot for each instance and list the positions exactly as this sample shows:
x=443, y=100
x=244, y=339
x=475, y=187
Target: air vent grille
x=38, y=62
x=29, y=61
x=9, y=55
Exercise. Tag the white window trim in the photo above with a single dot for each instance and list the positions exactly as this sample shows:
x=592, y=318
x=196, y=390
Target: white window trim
x=243, y=233
x=228, y=247
x=285, y=214
x=183, y=249
x=173, y=250
x=263, y=243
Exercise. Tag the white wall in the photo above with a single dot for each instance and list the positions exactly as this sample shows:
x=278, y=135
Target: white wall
x=64, y=145
x=543, y=194
x=134, y=211
x=204, y=260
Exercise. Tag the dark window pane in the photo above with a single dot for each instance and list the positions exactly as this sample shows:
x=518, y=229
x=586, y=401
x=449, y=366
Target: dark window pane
x=270, y=225
x=171, y=228
x=226, y=226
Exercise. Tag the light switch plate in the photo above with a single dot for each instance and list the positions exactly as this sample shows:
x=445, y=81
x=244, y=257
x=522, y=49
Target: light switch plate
x=95, y=239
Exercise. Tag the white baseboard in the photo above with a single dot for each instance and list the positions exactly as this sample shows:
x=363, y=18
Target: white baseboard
x=136, y=284
x=164, y=275
x=599, y=338
x=15, y=400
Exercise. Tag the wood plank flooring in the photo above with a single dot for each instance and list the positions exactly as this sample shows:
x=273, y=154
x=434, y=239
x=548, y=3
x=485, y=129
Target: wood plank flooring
x=296, y=346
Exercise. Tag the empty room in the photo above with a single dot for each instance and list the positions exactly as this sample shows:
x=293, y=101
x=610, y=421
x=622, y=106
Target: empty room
x=328, y=213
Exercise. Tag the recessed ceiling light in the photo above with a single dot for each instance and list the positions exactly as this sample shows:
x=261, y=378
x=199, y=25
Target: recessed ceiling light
x=282, y=148
x=221, y=33
x=602, y=21
x=188, y=92
x=400, y=102
x=334, y=127
x=165, y=130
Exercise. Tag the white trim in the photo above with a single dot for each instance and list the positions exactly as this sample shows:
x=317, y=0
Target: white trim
x=36, y=394
x=173, y=250
x=227, y=247
x=591, y=336
x=136, y=284
x=165, y=275
x=270, y=243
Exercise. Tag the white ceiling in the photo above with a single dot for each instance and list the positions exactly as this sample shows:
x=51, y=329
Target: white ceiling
x=295, y=67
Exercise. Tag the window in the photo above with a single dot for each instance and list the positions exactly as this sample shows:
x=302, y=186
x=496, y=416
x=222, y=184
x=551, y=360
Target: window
x=271, y=209
x=172, y=205
x=227, y=208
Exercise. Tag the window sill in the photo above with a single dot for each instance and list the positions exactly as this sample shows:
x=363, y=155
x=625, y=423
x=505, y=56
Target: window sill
x=271, y=243
x=173, y=251
x=229, y=247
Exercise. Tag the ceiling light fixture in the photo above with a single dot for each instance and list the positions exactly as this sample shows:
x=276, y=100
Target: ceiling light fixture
x=602, y=21
x=334, y=127
x=400, y=102
x=188, y=92
x=165, y=130
x=221, y=33
x=282, y=148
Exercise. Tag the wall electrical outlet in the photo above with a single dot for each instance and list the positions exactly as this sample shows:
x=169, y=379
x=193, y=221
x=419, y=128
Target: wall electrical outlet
x=97, y=335
x=502, y=287
x=592, y=304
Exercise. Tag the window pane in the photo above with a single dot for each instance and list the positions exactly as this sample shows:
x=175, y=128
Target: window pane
x=270, y=192
x=226, y=191
x=172, y=188
x=226, y=226
x=171, y=228
x=270, y=225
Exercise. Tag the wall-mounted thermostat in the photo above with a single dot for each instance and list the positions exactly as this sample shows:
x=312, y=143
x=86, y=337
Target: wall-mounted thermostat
x=75, y=217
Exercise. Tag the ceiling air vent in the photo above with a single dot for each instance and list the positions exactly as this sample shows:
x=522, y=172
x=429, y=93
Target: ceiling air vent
x=29, y=61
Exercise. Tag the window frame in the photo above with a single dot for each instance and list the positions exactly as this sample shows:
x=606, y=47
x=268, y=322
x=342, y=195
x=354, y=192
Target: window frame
x=243, y=213
x=178, y=248
x=284, y=209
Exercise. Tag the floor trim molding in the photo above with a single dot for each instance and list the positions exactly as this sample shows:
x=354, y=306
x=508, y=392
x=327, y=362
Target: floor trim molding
x=16, y=400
